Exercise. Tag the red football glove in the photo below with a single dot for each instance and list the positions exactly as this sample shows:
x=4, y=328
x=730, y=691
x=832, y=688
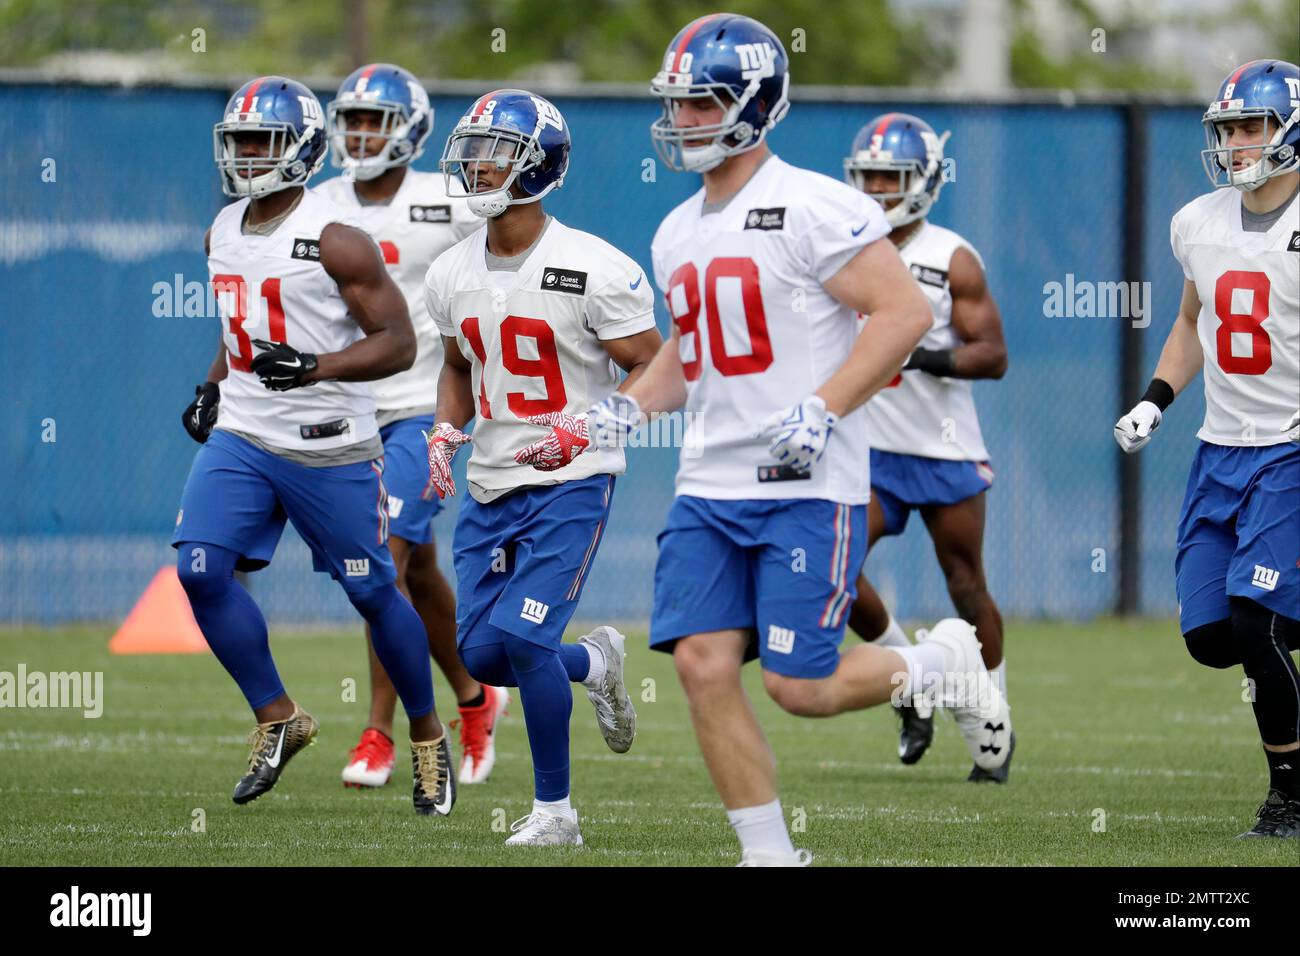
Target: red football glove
x=444, y=441
x=568, y=439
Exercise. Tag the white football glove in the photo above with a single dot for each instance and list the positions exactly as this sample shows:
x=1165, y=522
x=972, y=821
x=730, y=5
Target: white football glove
x=444, y=441
x=799, y=433
x=1292, y=428
x=1134, y=430
x=613, y=421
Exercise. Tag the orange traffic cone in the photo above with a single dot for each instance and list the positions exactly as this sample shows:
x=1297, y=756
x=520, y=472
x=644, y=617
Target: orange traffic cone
x=161, y=621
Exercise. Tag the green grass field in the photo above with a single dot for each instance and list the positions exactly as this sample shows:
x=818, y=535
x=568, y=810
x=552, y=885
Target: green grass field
x=1111, y=718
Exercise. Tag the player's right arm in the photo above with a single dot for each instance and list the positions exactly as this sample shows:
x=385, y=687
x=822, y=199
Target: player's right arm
x=1180, y=360
x=455, y=390
x=200, y=416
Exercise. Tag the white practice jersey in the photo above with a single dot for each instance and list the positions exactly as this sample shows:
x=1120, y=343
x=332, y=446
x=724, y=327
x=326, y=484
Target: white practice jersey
x=918, y=413
x=1249, y=326
x=274, y=288
x=758, y=333
x=533, y=337
x=413, y=229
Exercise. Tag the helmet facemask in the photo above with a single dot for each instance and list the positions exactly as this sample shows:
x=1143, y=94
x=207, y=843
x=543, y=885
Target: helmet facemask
x=1275, y=156
x=467, y=151
x=394, y=131
x=728, y=137
x=255, y=176
x=918, y=184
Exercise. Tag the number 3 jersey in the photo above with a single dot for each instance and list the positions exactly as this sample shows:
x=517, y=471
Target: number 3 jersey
x=1249, y=324
x=533, y=339
x=921, y=414
x=274, y=288
x=412, y=229
x=757, y=333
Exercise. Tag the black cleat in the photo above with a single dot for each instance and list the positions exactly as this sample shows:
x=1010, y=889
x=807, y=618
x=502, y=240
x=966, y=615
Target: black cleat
x=273, y=745
x=915, y=735
x=435, y=784
x=980, y=775
x=1279, y=816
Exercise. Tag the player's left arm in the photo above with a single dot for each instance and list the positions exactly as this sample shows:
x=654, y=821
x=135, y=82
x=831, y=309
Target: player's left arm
x=633, y=354
x=977, y=322
x=376, y=303
x=876, y=283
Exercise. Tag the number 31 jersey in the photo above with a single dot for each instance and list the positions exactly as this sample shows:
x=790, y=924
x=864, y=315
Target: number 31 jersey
x=1249, y=326
x=758, y=333
x=275, y=288
x=533, y=339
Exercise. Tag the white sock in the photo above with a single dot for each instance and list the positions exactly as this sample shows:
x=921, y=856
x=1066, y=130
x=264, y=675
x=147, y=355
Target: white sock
x=894, y=636
x=560, y=807
x=926, y=665
x=761, y=828
x=597, y=672
x=1000, y=676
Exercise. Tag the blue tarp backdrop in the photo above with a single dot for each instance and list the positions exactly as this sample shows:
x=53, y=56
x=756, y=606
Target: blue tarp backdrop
x=94, y=380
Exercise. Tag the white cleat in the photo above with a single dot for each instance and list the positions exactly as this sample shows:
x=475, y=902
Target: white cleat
x=540, y=828
x=971, y=695
x=614, y=712
x=774, y=858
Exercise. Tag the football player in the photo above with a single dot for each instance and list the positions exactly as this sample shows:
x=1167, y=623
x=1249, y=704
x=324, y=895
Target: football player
x=764, y=270
x=927, y=453
x=1238, y=562
x=536, y=318
x=287, y=424
x=378, y=125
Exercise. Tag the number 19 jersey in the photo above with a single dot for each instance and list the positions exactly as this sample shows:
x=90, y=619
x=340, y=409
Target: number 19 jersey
x=533, y=339
x=758, y=333
x=1249, y=325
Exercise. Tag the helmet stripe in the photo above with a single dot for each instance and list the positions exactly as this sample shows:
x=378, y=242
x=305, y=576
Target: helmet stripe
x=484, y=101
x=249, y=97
x=688, y=36
x=883, y=124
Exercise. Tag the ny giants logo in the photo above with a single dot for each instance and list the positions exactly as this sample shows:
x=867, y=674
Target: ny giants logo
x=757, y=60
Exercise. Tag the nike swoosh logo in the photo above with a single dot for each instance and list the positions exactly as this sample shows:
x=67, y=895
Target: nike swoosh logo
x=294, y=364
x=858, y=231
x=274, y=759
x=633, y=285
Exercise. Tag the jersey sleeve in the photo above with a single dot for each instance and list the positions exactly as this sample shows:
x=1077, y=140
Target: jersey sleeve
x=623, y=304
x=1176, y=241
x=435, y=299
x=838, y=222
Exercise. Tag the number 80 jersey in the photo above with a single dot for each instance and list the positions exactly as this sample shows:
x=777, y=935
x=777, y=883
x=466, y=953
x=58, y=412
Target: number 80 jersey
x=533, y=339
x=758, y=333
x=1249, y=325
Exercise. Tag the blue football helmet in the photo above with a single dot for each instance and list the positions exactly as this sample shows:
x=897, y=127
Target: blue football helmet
x=407, y=120
x=292, y=115
x=1269, y=89
x=511, y=129
x=907, y=145
x=742, y=66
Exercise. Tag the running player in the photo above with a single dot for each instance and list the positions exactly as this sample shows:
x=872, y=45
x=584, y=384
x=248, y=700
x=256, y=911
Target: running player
x=1238, y=563
x=927, y=452
x=764, y=270
x=534, y=318
x=378, y=124
x=289, y=431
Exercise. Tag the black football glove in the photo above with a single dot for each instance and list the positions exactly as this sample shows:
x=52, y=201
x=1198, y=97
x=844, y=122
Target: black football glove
x=281, y=367
x=201, y=415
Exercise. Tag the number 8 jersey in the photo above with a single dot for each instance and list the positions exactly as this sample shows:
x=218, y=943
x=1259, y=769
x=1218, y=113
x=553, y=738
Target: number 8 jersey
x=758, y=333
x=532, y=337
x=1249, y=325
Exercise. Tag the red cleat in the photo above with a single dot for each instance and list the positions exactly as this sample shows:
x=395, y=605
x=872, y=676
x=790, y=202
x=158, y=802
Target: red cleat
x=370, y=763
x=477, y=738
